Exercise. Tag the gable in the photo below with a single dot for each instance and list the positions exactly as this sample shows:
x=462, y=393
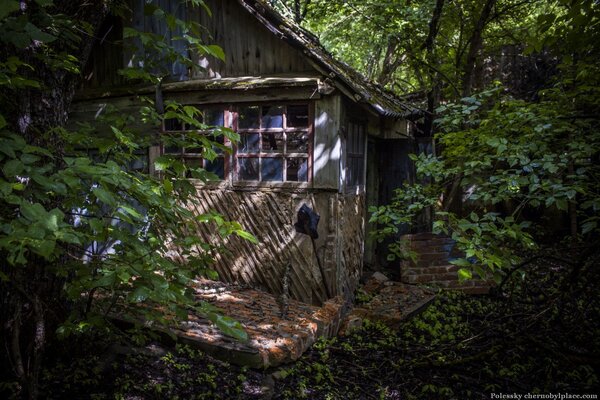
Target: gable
x=257, y=42
x=250, y=48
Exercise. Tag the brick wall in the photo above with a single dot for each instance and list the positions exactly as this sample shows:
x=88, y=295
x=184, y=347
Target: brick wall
x=432, y=264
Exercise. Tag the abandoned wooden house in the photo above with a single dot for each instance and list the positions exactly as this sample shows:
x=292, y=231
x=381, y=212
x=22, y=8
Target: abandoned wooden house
x=313, y=131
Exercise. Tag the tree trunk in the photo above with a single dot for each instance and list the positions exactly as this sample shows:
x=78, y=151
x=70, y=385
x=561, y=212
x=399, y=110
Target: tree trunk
x=31, y=293
x=434, y=26
x=299, y=11
x=434, y=95
x=391, y=61
x=476, y=42
x=39, y=110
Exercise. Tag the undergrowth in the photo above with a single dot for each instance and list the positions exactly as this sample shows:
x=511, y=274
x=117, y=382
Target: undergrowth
x=540, y=333
x=542, y=338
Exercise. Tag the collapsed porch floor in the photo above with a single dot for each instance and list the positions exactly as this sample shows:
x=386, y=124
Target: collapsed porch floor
x=274, y=338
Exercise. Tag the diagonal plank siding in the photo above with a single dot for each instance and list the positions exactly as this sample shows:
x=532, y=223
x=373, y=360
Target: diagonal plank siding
x=351, y=237
x=269, y=216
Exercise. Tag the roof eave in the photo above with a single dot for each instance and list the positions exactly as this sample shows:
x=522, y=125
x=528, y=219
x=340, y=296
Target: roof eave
x=275, y=22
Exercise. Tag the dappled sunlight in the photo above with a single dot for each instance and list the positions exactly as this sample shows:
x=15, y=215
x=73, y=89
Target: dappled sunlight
x=273, y=338
x=325, y=153
x=269, y=216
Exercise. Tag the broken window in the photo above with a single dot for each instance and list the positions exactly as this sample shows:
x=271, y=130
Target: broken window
x=355, y=155
x=274, y=143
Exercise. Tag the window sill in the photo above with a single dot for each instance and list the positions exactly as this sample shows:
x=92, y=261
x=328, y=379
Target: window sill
x=251, y=185
x=277, y=185
x=210, y=184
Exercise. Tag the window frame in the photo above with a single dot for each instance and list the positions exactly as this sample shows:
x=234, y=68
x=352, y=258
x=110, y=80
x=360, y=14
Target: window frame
x=361, y=129
x=198, y=156
x=283, y=155
x=231, y=113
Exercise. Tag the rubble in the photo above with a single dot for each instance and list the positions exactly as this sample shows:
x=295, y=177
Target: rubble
x=277, y=338
x=390, y=302
x=274, y=339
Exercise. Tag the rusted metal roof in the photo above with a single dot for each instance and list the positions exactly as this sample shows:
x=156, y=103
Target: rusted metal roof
x=344, y=77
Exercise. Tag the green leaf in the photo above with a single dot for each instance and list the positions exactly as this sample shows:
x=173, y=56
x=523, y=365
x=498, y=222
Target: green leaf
x=97, y=225
x=588, y=227
x=5, y=188
x=71, y=181
x=229, y=326
x=171, y=21
x=246, y=235
x=7, y=7
x=131, y=211
x=50, y=222
x=464, y=274
x=561, y=204
x=106, y=280
x=168, y=185
x=20, y=39
x=461, y=262
x=8, y=149
x=36, y=34
x=140, y=294
x=33, y=212
x=13, y=168
x=211, y=274
x=104, y=196
x=217, y=51
x=43, y=181
x=162, y=163
x=130, y=32
x=68, y=237
x=45, y=248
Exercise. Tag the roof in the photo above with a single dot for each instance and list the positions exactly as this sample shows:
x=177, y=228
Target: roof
x=344, y=77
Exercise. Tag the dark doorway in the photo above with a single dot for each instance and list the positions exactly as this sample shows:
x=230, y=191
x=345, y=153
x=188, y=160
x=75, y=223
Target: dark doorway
x=394, y=166
x=389, y=166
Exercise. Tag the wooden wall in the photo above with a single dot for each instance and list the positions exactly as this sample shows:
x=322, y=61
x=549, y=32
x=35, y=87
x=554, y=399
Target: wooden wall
x=269, y=215
x=250, y=48
x=268, y=212
x=351, y=238
x=328, y=142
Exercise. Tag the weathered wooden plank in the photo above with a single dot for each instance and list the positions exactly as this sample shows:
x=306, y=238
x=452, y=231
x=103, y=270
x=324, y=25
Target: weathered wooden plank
x=305, y=86
x=351, y=236
x=327, y=143
x=269, y=216
x=249, y=46
x=254, y=96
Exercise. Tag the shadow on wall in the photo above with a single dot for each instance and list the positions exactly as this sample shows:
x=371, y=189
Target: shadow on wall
x=269, y=216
